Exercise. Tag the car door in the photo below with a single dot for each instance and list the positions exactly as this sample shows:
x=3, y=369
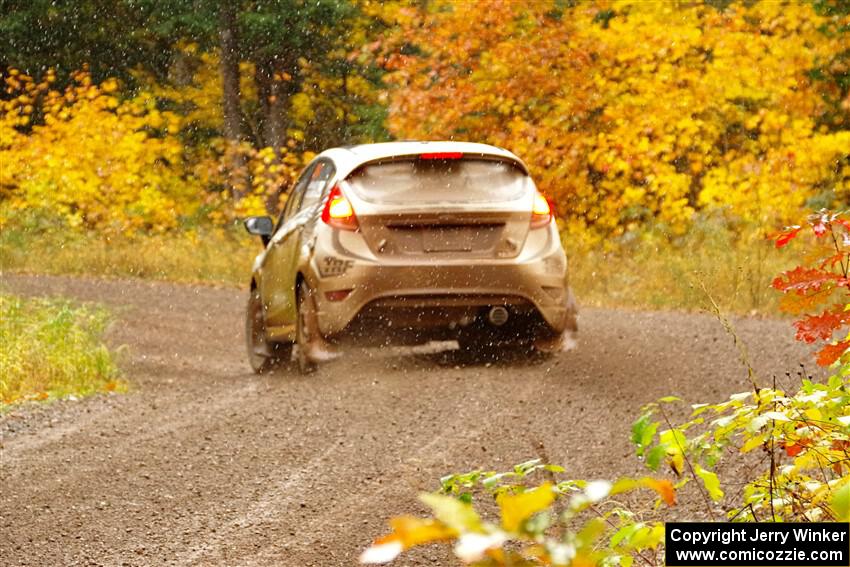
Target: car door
x=285, y=247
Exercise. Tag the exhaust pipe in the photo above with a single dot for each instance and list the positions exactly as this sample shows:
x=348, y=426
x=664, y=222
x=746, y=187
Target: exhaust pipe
x=498, y=316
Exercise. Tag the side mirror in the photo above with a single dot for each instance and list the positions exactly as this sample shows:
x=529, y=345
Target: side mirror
x=260, y=226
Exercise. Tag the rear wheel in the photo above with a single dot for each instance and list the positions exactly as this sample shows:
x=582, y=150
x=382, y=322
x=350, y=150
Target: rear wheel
x=305, y=331
x=263, y=355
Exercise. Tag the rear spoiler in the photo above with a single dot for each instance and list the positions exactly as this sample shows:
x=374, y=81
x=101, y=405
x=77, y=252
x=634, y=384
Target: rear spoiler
x=446, y=156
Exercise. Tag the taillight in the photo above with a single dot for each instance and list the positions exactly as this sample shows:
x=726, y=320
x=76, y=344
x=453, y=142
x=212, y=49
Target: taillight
x=338, y=211
x=541, y=212
x=441, y=155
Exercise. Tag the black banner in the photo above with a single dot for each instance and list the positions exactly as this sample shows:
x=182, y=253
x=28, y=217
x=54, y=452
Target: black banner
x=698, y=544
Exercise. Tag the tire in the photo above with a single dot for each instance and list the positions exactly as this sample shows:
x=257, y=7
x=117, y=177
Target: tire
x=263, y=355
x=304, y=329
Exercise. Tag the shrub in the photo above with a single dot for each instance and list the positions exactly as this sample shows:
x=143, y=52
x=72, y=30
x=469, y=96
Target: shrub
x=556, y=522
x=50, y=348
x=803, y=434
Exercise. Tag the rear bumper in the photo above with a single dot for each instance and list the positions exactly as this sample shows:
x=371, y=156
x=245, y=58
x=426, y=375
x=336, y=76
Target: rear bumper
x=439, y=296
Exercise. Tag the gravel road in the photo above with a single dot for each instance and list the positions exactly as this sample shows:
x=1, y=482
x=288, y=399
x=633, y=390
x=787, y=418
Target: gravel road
x=204, y=463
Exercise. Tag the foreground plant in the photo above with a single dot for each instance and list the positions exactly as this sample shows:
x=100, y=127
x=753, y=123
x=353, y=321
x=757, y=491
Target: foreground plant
x=800, y=441
x=556, y=522
x=802, y=431
x=818, y=292
x=50, y=348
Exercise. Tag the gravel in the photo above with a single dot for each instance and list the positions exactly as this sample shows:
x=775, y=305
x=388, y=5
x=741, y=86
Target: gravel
x=205, y=463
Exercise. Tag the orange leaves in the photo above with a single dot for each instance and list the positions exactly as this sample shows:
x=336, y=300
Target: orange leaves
x=415, y=531
x=411, y=531
x=407, y=532
x=832, y=353
x=101, y=162
x=97, y=161
x=812, y=328
x=663, y=487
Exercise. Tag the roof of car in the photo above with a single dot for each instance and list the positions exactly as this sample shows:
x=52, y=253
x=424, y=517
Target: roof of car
x=350, y=157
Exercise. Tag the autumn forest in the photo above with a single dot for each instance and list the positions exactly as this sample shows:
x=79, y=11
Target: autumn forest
x=156, y=116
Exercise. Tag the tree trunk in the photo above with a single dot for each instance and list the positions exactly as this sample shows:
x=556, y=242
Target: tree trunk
x=231, y=97
x=274, y=91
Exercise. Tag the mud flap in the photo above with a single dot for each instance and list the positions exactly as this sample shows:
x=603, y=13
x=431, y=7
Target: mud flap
x=566, y=340
x=317, y=349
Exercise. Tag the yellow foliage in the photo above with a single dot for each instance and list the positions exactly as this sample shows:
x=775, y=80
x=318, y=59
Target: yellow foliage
x=97, y=161
x=121, y=165
x=517, y=508
x=629, y=111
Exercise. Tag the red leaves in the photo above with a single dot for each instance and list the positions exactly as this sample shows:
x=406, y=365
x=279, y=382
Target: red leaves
x=812, y=328
x=821, y=223
x=832, y=261
x=786, y=236
x=821, y=327
x=806, y=287
x=804, y=280
x=793, y=449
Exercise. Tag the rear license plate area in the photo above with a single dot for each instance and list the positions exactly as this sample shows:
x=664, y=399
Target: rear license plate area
x=447, y=240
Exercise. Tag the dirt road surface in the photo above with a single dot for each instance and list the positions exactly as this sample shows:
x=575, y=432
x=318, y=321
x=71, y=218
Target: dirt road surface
x=204, y=463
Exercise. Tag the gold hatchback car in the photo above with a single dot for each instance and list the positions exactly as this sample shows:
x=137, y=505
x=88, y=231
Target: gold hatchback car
x=406, y=243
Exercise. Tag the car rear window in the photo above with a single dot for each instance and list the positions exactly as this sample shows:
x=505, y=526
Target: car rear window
x=415, y=180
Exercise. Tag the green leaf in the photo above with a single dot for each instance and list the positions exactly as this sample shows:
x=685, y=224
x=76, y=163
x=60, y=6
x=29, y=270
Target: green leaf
x=840, y=503
x=648, y=537
x=674, y=439
x=655, y=456
x=523, y=469
x=624, y=485
x=539, y=523
x=625, y=533
x=711, y=482
x=643, y=432
x=492, y=481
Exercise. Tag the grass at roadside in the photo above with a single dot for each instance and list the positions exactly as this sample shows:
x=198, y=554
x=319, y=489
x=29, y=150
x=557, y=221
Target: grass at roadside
x=50, y=348
x=210, y=256
x=646, y=270
x=653, y=271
